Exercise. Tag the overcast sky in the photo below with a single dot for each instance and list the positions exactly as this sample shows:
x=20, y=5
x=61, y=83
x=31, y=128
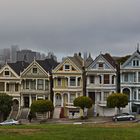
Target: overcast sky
x=68, y=26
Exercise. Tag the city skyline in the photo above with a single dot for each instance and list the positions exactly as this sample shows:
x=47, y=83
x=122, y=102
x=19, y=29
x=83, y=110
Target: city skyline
x=65, y=27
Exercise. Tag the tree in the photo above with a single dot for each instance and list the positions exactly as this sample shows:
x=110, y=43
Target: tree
x=117, y=100
x=5, y=105
x=42, y=106
x=83, y=102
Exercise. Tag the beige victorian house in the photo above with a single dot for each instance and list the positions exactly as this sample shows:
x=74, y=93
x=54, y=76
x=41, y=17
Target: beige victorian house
x=10, y=82
x=67, y=85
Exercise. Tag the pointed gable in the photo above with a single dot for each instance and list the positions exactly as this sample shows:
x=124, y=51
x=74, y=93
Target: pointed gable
x=39, y=68
x=7, y=72
x=70, y=64
x=48, y=64
x=133, y=61
x=103, y=62
x=19, y=66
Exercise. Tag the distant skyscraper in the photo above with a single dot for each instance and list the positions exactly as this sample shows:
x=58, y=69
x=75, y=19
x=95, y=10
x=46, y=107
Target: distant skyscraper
x=27, y=55
x=51, y=55
x=14, y=49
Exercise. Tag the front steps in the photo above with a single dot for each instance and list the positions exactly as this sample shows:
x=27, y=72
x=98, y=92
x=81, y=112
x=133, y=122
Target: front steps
x=56, y=114
x=24, y=113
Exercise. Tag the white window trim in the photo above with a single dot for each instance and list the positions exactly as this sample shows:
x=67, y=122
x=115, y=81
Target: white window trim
x=65, y=67
x=34, y=68
x=7, y=75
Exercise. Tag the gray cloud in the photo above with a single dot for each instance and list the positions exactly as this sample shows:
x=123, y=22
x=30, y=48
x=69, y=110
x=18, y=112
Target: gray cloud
x=66, y=26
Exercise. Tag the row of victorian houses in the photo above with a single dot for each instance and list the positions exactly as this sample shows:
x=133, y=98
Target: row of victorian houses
x=73, y=77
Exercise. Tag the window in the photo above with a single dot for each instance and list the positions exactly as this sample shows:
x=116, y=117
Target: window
x=59, y=81
x=16, y=87
x=73, y=69
x=34, y=70
x=100, y=65
x=67, y=67
x=27, y=84
x=100, y=98
x=100, y=79
x=135, y=63
x=46, y=84
x=135, y=95
x=91, y=79
x=7, y=87
x=72, y=81
x=106, y=94
x=139, y=76
x=78, y=82
x=106, y=79
x=125, y=77
x=6, y=73
x=113, y=79
x=1, y=86
x=40, y=84
x=33, y=84
x=139, y=95
x=72, y=97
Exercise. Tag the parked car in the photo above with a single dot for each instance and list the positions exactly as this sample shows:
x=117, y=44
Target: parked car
x=10, y=122
x=124, y=117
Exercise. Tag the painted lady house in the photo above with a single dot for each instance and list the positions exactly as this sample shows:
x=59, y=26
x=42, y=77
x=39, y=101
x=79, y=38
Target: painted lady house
x=101, y=82
x=35, y=81
x=68, y=84
x=130, y=81
x=10, y=83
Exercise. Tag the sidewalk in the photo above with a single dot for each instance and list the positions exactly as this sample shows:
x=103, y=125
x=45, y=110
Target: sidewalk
x=69, y=121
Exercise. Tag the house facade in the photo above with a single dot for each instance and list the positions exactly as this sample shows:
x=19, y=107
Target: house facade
x=68, y=84
x=130, y=81
x=101, y=82
x=35, y=81
x=10, y=82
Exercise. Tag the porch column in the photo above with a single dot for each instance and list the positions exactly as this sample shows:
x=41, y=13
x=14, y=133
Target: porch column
x=54, y=100
x=102, y=96
x=44, y=84
x=44, y=97
x=110, y=79
x=62, y=101
x=36, y=84
x=87, y=93
x=22, y=104
x=5, y=83
x=102, y=79
x=137, y=76
x=68, y=81
x=30, y=100
x=137, y=91
x=76, y=80
x=76, y=94
x=68, y=98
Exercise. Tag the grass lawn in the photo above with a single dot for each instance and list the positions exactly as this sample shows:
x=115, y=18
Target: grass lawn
x=112, y=131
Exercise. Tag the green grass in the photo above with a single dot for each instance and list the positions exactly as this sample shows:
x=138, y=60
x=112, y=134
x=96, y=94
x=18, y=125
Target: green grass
x=118, y=131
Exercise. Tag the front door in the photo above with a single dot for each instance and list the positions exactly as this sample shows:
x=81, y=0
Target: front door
x=58, y=99
x=26, y=101
x=92, y=96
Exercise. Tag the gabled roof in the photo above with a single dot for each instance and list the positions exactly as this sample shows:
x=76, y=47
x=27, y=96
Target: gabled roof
x=18, y=66
x=108, y=57
x=77, y=60
x=47, y=64
x=136, y=53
